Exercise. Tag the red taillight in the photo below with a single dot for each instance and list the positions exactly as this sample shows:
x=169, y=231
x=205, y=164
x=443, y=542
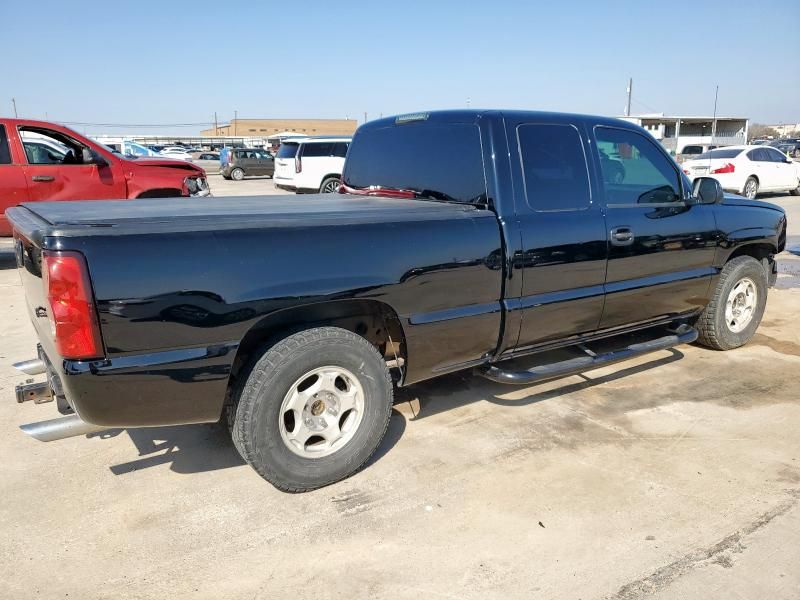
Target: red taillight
x=728, y=168
x=298, y=163
x=72, y=314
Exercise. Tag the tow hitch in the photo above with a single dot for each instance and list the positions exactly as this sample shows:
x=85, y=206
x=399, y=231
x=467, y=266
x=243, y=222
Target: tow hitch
x=38, y=392
x=47, y=391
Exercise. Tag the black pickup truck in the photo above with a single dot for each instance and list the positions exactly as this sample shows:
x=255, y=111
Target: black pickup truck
x=460, y=239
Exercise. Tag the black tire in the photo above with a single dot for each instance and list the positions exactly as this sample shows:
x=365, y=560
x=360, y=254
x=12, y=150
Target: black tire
x=228, y=177
x=795, y=191
x=796, y=153
x=256, y=412
x=751, y=181
x=237, y=174
x=712, y=325
x=330, y=185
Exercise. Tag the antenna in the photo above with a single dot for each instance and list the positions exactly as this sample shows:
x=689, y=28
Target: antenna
x=714, y=121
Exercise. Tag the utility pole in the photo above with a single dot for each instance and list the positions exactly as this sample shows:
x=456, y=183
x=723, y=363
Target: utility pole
x=714, y=122
x=630, y=91
x=468, y=102
x=14, y=102
x=365, y=116
x=216, y=128
x=235, y=124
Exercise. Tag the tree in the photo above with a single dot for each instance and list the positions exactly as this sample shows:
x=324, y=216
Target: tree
x=758, y=131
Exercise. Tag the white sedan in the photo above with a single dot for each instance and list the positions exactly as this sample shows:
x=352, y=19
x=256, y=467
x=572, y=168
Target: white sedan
x=747, y=170
x=176, y=152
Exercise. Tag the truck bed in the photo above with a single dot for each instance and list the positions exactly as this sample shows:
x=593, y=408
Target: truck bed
x=120, y=217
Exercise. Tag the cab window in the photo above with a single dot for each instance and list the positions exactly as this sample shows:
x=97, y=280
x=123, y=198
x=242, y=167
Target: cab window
x=634, y=170
x=48, y=147
x=5, y=154
x=554, y=167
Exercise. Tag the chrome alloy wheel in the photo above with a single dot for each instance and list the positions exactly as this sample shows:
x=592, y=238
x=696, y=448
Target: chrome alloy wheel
x=751, y=189
x=321, y=412
x=331, y=187
x=741, y=305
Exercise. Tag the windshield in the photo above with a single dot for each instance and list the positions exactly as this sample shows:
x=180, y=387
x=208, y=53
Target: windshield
x=288, y=150
x=721, y=153
x=439, y=161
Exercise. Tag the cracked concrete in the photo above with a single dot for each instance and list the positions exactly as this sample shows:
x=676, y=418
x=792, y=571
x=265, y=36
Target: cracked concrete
x=673, y=476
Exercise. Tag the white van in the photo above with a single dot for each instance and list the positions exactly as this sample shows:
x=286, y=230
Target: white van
x=311, y=165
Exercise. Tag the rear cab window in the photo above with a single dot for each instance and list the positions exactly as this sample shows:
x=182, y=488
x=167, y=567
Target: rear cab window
x=438, y=161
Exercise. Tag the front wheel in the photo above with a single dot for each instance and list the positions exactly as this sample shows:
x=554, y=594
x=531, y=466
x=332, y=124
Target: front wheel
x=313, y=409
x=237, y=174
x=736, y=308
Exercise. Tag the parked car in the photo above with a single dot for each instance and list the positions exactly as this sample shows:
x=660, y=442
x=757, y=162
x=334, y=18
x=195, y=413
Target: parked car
x=208, y=156
x=692, y=151
x=465, y=238
x=789, y=146
x=45, y=161
x=311, y=165
x=747, y=170
x=177, y=153
x=246, y=162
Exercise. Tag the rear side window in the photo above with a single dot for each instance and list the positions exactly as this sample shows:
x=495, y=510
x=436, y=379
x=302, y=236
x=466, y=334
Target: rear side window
x=318, y=149
x=554, y=167
x=5, y=154
x=441, y=161
x=340, y=149
x=288, y=150
x=721, y=153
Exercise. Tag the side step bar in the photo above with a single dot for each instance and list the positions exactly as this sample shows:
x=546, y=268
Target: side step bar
x=59, y=429
x=683, y=335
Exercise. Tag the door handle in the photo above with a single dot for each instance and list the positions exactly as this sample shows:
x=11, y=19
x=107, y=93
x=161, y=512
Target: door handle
x=622, y=236
x=42, y=178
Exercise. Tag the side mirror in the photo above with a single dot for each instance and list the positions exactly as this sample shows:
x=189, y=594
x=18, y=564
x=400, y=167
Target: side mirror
x=91, y=157
x=707, y=190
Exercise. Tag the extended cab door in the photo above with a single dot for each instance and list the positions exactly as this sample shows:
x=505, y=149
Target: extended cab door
x=563, y=256
x=13, y=188
x=661, y=248
x=55, y=169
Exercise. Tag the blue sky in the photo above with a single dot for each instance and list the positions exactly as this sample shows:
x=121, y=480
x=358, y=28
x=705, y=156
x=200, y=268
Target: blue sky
x=173, y=61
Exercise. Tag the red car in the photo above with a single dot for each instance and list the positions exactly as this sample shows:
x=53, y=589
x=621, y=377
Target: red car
x=45, y=161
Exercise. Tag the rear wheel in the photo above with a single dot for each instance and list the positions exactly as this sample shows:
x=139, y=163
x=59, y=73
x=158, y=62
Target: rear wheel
x=330, y=185
x=750, y=189
x=237, y=174
x=796, y=153
x=313, y=409
x=735, y=310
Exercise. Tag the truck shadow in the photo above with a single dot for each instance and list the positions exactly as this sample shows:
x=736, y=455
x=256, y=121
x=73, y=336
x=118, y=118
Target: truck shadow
x=204, y=447
x=7, y=258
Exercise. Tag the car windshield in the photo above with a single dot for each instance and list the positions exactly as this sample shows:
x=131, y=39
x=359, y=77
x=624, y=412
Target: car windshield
x=721, y=153
x=288, y=150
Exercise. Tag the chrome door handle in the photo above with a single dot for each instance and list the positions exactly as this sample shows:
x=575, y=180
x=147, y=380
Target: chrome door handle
x=622, y=236
x=42, y=178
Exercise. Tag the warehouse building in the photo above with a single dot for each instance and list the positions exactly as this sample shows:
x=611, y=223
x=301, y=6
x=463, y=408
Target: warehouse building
x=675, y=133
x=270, y=127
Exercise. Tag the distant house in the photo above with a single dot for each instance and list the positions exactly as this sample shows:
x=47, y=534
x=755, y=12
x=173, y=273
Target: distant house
x=675, y=133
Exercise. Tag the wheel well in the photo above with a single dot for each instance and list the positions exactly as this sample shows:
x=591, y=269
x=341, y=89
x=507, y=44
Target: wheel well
x=161, y=193
x=375, y=321
x=753, y=177
x=336, y=175
x=757, y=251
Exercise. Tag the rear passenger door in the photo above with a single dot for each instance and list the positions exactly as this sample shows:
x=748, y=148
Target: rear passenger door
x=784, y=169
x=661, y=248
x=563, y=256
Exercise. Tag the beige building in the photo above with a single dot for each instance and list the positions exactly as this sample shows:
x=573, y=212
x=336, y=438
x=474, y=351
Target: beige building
x=269, y=127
